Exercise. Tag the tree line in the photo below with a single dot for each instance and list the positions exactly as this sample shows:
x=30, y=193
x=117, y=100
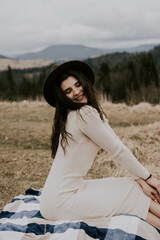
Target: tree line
x=17, y=85
x=132, y=79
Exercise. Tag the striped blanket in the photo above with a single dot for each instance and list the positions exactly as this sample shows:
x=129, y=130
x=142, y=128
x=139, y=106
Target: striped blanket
x=21, y=220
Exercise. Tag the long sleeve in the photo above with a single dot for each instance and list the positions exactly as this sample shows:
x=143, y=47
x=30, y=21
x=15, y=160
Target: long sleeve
x=90, y=123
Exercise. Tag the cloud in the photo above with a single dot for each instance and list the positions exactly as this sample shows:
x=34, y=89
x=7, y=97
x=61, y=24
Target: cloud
x=35, y=24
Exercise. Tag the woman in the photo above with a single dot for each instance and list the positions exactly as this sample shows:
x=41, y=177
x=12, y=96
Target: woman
x=80, y=129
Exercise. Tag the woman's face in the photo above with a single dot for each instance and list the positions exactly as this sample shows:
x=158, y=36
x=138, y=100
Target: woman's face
x=73, y=89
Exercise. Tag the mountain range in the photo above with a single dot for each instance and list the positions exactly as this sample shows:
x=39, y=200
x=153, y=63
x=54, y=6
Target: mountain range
x=62, y=52
x=2, y=56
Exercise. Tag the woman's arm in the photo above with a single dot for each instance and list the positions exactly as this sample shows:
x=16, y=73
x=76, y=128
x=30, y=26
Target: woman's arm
x=90, y=123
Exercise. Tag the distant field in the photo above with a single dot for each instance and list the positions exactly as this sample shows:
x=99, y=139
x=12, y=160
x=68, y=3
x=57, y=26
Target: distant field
x=22, y=64
x=25, y=129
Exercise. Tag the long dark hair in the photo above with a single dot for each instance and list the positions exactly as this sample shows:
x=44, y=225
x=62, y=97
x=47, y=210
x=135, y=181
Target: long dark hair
x=64, y=104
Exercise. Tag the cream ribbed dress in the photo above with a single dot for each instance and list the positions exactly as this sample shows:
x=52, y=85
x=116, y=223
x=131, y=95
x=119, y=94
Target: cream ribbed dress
x=66, y=195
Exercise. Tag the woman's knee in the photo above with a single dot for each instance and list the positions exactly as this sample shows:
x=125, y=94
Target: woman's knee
x=154, y=208
x=153, y=220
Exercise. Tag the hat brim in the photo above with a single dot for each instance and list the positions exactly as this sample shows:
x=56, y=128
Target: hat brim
x=48, y=88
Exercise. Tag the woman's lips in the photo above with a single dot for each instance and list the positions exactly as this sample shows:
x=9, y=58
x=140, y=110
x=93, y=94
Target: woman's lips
x=79, y=98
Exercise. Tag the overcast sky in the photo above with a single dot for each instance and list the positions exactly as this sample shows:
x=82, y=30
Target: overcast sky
x=31, y=25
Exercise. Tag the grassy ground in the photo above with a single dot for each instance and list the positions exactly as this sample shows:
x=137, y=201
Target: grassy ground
x=25, y=129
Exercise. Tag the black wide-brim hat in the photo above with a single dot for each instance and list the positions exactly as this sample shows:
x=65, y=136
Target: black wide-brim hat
x=54, y=76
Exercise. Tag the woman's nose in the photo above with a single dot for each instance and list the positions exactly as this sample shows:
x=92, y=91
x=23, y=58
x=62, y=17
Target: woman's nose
x=76, y=91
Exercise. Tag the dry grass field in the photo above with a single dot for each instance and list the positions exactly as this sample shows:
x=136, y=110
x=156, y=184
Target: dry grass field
x=22, y=64
x=25, y=129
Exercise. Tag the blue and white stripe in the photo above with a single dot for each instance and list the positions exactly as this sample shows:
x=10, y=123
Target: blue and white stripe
x=21, y=219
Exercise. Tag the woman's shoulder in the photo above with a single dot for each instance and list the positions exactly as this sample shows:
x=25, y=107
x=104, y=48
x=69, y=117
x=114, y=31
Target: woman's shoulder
x=86, y=111
x=83, y=112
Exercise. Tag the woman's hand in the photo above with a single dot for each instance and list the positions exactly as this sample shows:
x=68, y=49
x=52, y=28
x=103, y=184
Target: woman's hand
x=149, y=190
x=155, y=183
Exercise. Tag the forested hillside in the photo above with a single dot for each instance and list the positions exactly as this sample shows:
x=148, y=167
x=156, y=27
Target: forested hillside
x=131, y=78
x=121, y=77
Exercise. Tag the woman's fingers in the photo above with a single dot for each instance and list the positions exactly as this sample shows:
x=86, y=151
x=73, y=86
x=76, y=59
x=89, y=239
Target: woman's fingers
x=151, y=192
x=158, y=188
x=154, y=183
x=150, y=189
x=156, y=196
x=153, y=198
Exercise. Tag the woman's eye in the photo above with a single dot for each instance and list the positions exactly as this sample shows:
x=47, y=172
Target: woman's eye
x=78, y=84
x=67, y=91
